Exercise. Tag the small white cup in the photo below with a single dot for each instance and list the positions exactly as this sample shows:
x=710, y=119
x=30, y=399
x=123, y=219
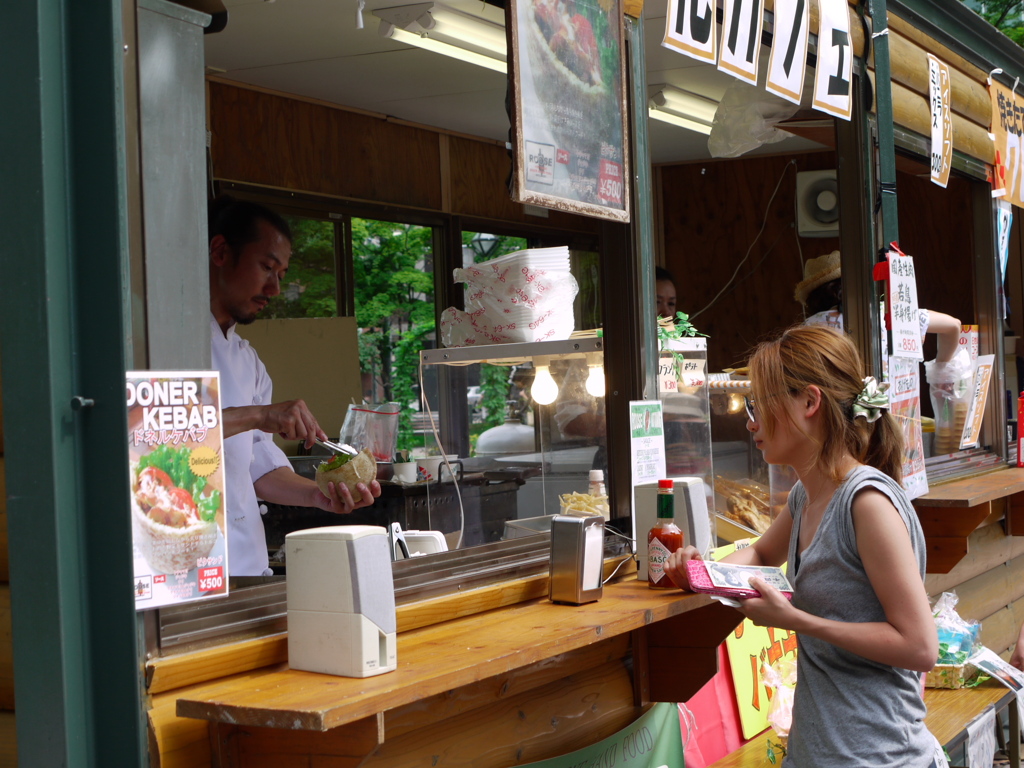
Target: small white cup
x=430, y=466
x=405, y=472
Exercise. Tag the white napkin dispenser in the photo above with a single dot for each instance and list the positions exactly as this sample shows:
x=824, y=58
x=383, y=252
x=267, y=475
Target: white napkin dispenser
x=341, y=601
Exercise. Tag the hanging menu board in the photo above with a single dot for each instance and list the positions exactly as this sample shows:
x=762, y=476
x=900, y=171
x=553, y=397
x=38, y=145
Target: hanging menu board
x=176, y=476
x=569, y=107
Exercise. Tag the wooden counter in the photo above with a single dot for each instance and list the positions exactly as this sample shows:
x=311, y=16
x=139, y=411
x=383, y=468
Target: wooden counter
x=467, y=660
x=951, y=512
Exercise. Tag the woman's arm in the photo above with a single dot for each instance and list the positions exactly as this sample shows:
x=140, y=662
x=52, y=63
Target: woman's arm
x=947, y=335
x=907, y=638
x=1017, y=659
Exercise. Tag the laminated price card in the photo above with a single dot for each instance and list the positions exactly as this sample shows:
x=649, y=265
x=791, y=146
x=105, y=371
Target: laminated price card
x=903, y=311
x=176, y=480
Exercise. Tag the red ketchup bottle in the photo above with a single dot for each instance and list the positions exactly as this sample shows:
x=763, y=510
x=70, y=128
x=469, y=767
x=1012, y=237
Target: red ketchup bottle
x=663, y=539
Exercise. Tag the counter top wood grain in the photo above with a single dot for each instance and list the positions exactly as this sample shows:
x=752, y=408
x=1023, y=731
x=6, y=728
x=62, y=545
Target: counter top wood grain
x=439, y=658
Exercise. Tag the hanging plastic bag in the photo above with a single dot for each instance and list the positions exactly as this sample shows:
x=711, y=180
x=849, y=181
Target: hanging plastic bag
x=781, y=676
x=373, y=426
x=746, y=118
x=950, y=388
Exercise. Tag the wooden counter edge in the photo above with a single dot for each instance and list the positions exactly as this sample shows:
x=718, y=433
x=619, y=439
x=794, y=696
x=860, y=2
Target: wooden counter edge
x=307, y=701
x=972, y=491
x=206, y=665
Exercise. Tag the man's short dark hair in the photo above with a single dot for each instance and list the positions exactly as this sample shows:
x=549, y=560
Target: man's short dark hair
x=663, y=275
x=237, y=221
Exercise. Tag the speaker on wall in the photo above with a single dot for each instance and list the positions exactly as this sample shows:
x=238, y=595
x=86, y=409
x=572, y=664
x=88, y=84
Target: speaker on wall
x=817, y=204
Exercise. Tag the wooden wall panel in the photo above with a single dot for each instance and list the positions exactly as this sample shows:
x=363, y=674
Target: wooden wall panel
x=988, y=548
x=711, y=214
x=999, y=631
x=272, y=140
x=935, y=228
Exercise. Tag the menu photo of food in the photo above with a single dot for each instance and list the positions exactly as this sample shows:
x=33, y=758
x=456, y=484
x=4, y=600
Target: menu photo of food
x=176, y=482
x=570, y=106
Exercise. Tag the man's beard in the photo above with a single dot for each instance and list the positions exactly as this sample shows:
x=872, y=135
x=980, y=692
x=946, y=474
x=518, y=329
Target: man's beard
x=243, y=318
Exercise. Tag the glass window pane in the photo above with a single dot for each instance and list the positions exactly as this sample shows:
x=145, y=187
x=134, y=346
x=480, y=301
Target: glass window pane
x=310, y=288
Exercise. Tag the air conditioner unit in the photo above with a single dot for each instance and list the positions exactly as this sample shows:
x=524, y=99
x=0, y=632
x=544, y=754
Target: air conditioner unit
x=817, y=204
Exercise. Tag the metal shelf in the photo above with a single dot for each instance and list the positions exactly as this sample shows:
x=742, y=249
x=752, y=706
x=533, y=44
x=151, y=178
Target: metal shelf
x=512, y=354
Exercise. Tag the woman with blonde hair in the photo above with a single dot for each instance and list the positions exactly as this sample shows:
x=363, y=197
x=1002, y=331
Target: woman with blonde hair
x=855, y=551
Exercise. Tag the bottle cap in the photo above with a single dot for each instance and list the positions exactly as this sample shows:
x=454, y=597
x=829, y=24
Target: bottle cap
x=597, y=475
x=665, y=484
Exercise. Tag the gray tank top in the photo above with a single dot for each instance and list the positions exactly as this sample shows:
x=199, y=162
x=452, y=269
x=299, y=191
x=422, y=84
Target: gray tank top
x=849, y=711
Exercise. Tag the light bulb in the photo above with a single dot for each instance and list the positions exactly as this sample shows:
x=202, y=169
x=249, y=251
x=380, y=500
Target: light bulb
x=595, y=381
x=735, y=403
x=544, y=389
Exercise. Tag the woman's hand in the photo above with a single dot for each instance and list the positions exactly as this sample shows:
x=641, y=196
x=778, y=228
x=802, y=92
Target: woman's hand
x=769, y=610
x=675, y=566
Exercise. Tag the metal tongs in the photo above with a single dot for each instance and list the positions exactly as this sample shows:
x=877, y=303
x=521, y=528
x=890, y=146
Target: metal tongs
x=336, y=447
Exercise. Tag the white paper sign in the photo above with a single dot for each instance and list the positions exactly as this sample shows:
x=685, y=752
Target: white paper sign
x=834, y=72
x=690, y=29
x=991, y=664
x=786, y=66
x=905, y=406
x=903, y=310
x=646, y=441
x=741, y=38
x=981, y=738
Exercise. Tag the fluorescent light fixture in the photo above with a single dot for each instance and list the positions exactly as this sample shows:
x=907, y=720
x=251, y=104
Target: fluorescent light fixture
x=438, y=29
x=678, y=107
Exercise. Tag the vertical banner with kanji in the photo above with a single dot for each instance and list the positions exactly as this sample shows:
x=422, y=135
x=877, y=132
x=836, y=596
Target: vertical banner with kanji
x=905, y=406
x=786, y=65
x=176, y=480
x=941, y=120
x=1007, y=130
x=833, y=75
x=903, y=309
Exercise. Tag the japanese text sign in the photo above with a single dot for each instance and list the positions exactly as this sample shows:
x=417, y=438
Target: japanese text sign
x=834, y=71
x=789, y=50
x=941, y=120
x=1007, y=130
x=903, y=311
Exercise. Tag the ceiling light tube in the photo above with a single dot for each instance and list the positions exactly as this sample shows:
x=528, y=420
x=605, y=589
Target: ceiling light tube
x=682, y=122
x=470, y=30
x=445, y=49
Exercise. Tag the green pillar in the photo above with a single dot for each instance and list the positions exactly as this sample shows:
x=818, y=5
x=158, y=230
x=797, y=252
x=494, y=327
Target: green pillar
x=62, y=336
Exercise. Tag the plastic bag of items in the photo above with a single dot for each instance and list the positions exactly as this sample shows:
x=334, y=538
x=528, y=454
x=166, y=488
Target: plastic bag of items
x=780, y=676
x=746, y=119
x=950, y=387
x=957, y=641
x=524, y=296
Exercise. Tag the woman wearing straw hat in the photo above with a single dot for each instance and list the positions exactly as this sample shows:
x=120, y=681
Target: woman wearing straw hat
x=821, y=294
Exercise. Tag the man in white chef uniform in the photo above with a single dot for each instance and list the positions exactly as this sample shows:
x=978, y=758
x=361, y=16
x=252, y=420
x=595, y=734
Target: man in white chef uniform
x=249, y=251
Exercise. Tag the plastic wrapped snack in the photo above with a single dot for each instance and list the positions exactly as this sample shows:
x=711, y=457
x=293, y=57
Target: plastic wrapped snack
x=957, y=637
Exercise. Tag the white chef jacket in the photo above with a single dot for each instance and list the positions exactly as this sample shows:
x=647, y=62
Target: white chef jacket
x=248, y=456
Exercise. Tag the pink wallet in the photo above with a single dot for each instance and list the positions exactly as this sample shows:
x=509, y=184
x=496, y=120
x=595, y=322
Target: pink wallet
x=700, y=581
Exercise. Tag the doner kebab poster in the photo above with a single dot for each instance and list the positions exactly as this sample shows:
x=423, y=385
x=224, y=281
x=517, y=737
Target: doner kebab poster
x=176, y=477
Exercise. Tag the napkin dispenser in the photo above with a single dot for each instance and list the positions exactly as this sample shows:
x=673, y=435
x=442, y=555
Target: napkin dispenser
x=577, y=559
x=341, y=601
x=691, y=515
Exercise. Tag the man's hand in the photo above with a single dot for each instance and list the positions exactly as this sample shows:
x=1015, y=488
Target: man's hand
x=292, y=420
x=340, y=499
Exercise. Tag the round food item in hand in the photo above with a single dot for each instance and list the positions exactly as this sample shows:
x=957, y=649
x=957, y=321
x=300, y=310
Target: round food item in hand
x=347, y=470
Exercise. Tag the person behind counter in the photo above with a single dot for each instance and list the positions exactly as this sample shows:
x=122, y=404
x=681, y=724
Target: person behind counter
x=665, y=292
x=250, y=247
x=821, y=295
x=856, y=557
